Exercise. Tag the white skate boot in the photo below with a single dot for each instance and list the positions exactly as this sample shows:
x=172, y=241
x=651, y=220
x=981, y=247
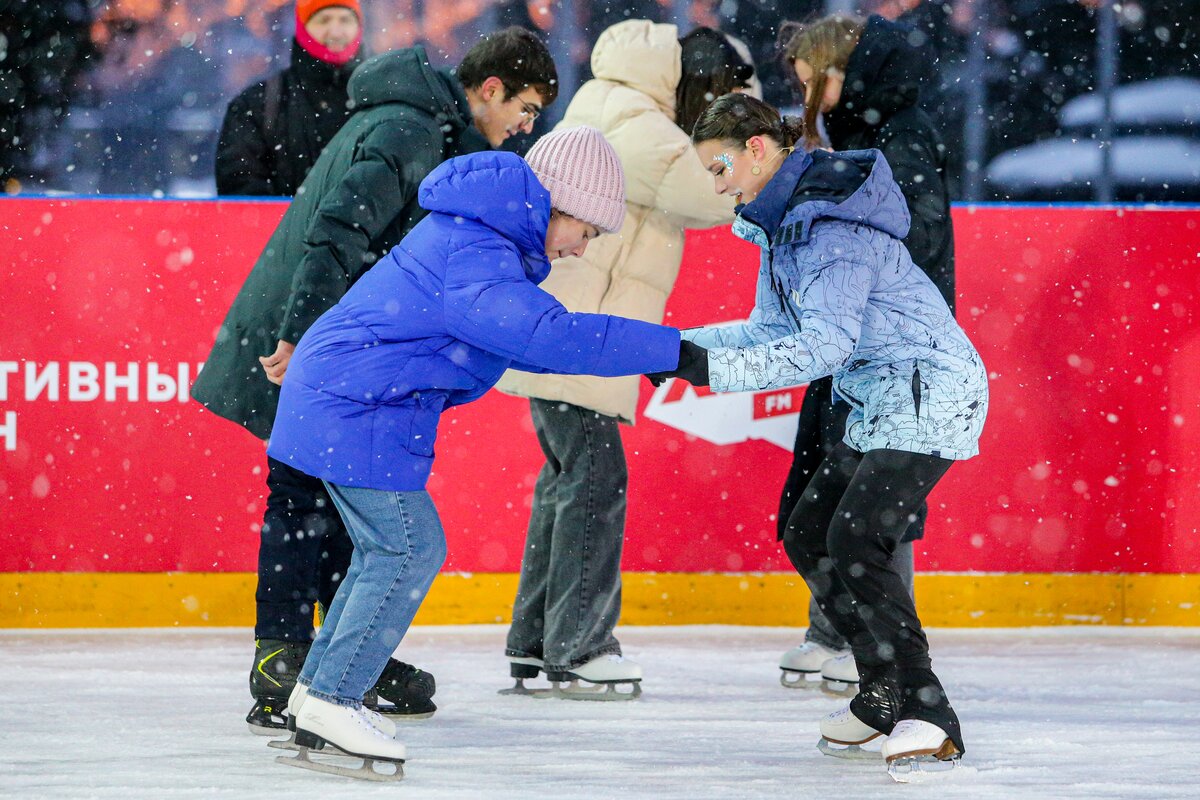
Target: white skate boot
x=801, y=666
x=844, y=735
x=296, y=702
x=329, y=729
x=840, y=676
x=605, y=673
x=524, y=668
x=916, y=748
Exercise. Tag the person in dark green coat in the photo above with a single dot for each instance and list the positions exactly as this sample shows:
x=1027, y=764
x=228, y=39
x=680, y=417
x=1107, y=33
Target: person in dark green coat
x=355, y=205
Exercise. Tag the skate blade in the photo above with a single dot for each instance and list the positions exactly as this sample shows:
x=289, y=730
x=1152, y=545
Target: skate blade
x=396, y=714
x=399, y=716
x=365, y=771
x=522, y=690
x=601, y=692
x=290, y=744
x=853, y=752
x=791, y=679
x=839, y=688
x=916, y=767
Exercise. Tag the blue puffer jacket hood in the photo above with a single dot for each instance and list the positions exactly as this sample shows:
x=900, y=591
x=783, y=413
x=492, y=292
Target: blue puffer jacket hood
x=435, y=323
x=499, y=191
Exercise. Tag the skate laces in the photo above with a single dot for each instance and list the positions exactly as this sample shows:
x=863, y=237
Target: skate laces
x=842, y=715
x=364, y=717
x=908, y=727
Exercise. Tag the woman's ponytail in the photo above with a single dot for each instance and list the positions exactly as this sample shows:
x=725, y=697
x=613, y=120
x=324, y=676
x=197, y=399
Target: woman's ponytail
x=738, y=117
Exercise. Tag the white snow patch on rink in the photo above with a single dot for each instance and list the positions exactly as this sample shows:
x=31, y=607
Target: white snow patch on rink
x=1047, y=713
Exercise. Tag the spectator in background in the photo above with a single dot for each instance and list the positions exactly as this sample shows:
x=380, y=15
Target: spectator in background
x=43, y=47
x=864, y=77
x=275, y=129
x=648, y=91
x=757, y=22
x=357, y=202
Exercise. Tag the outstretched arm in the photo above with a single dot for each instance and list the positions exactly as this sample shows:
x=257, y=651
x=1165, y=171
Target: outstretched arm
x=490, y=303
x=830, y=302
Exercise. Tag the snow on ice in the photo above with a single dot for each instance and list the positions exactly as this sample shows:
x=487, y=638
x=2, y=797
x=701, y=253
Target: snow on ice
x=1047, y=713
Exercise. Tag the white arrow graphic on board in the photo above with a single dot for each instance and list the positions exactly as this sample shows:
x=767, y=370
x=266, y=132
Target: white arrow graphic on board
x=728, y=418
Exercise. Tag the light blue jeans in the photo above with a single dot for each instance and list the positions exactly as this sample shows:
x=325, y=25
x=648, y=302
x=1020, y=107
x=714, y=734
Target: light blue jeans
x=399, y=546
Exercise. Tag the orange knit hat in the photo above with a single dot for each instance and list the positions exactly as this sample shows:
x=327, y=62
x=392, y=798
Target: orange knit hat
x=306, y=8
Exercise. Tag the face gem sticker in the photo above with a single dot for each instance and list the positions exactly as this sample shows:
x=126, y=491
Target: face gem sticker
x=725, y=159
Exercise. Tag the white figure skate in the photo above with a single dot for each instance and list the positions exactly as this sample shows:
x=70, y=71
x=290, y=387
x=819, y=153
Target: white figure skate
x=598, y=679
x=839, y=676
x=328, y=729
x=844, y=735
x=801, y=666
x=296, y=702
x=917, y=748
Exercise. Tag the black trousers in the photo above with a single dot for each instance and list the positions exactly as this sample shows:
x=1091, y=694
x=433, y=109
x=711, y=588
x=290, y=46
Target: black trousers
x=854, y=511
x=304, y=552
x=840, y=536
x=822, y=426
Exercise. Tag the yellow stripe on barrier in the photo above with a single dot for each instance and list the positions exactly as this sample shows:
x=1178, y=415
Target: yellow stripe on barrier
x=120, y=600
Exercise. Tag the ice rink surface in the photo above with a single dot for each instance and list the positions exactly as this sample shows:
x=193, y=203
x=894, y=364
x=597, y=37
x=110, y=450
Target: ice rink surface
x=1046, y=713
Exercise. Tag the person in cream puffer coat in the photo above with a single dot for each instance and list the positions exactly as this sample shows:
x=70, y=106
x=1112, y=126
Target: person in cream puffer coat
x=570, y=590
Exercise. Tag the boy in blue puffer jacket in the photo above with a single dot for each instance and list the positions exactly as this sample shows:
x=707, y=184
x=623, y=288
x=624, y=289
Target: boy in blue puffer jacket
x=433, y=325
x=838, y=294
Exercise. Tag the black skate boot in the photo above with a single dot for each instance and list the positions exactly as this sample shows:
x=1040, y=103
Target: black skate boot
x=403, y=691
x=272, y=676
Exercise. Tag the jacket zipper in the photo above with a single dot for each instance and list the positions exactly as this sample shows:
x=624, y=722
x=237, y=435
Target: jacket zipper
x=916, y=390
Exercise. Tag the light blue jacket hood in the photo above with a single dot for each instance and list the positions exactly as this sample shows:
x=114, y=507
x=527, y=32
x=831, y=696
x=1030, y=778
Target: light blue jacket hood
x=838, y=294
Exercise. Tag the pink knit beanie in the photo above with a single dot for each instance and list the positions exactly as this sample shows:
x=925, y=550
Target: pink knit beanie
x=581, y=171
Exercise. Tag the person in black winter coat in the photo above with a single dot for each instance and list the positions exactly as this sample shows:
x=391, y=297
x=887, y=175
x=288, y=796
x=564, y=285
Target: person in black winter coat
x=275, y=129
x=863, y=78
x=357, y=202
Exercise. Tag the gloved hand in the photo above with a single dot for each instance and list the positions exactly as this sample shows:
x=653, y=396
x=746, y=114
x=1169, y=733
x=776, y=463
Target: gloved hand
x=693, y=366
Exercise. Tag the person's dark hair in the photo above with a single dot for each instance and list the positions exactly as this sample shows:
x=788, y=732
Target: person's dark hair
x=711, y=68
x=517, y=57
x=736, y=118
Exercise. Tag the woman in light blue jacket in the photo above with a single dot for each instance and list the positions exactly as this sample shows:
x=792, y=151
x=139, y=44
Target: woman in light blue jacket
x=839, y=295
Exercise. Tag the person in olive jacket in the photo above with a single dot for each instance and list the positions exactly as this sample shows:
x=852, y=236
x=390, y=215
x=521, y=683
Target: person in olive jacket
x=863, y=78
x=357, y=203
x=275, y=129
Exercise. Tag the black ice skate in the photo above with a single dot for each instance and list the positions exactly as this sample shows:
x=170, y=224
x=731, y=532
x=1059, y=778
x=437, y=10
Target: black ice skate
x=272, y=676
x=406, y=690
x=403, y=692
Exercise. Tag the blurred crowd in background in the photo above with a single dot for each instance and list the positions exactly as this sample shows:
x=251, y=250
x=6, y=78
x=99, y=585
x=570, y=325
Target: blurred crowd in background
x=127, y=96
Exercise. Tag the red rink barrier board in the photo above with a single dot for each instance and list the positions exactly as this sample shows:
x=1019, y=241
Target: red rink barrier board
x=1087, y=319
